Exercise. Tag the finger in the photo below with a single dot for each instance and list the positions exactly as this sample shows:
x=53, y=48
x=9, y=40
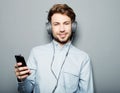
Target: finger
x=19, y=77
x=16, y=72
x=22, y=77
x=18, y=64
x=24, y=72
x=21, y=68
x=21, y=71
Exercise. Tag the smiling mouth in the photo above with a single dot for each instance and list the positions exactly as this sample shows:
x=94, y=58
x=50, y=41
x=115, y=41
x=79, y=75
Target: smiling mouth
x=62, y=35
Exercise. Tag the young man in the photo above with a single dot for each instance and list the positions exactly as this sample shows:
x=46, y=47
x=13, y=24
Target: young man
x=57, y=67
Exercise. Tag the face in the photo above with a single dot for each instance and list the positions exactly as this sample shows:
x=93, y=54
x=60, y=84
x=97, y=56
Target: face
x=61, y=28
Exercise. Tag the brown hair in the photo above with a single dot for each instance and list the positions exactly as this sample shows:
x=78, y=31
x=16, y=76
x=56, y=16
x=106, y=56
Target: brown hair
x=62, y=9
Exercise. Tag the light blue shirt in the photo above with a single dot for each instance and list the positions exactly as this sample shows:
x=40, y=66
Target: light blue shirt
x=67, y=68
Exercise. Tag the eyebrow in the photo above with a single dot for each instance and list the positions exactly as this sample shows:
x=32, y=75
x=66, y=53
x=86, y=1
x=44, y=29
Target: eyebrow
x=63, y=22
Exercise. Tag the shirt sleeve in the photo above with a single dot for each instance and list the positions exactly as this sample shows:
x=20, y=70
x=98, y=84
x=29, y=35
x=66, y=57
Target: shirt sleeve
x=27, y=86
x=86, y=78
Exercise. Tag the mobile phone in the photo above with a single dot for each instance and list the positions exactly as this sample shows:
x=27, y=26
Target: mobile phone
x=20, y=58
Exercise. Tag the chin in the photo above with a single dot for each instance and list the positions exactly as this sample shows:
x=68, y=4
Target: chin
x=62, y=41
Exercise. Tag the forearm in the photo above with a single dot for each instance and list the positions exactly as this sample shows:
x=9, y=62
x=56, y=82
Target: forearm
x=25, y=86
x=86, y=77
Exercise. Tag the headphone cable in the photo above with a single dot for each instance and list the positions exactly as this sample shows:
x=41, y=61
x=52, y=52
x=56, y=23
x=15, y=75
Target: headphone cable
x=61, y=66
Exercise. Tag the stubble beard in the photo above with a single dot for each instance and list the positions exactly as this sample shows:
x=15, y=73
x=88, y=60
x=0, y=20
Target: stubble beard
x=62, y=42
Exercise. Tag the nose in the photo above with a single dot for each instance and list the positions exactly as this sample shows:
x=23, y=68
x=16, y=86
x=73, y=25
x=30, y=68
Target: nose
x=62, y=28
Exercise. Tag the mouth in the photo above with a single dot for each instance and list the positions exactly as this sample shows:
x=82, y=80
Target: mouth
x=62, y=35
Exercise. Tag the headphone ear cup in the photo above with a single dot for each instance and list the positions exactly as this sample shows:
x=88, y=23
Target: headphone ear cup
x=49, y=28
x=74, y=26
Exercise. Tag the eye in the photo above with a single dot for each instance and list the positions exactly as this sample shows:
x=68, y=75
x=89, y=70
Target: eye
x=55, y=24
x=67, y=23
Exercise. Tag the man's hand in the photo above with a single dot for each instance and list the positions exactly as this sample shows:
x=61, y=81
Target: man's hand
x=21, y=72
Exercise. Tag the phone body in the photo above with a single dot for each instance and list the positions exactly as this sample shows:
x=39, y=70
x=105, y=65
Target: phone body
x=20, y=58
